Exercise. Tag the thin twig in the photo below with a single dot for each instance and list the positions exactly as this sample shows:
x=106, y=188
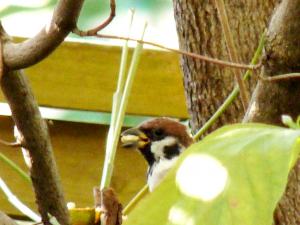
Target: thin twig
x=232, y=52
x=1, y=57
x=196, y=56
x=15, y=167
x=94, y=31
x=17, y=203
x=279, y=77
x=11, y=144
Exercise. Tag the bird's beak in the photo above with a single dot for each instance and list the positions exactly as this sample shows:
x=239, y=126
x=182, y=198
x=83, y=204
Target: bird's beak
x=134, y=138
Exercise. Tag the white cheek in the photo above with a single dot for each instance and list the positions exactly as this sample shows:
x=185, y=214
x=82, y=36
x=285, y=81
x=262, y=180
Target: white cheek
x=157, y=147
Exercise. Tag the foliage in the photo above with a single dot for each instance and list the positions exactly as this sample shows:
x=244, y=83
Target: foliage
x=236, y=175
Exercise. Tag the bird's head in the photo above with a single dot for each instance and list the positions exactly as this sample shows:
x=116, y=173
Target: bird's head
x=156, y=139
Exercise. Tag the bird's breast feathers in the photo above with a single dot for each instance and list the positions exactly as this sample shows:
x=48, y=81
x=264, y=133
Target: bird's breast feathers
x=158, y=170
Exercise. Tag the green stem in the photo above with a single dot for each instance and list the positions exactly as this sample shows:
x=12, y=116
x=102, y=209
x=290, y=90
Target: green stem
x=135, y=200
x=110, y=156
x=117, y=101
x=233, y=94
x=15, y=167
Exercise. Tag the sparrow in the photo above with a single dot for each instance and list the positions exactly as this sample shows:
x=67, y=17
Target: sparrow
x=160, y=141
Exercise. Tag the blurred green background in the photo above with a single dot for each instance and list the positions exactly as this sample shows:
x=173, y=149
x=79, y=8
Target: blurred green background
x=26, y=18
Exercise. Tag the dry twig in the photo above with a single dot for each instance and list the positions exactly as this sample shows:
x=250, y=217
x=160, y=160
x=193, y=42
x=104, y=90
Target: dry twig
x=232, y=52
x=94, y=31
x=1, y=58
x=111, y=209
x=11, y=144
x=263, y=77
x=193, y=55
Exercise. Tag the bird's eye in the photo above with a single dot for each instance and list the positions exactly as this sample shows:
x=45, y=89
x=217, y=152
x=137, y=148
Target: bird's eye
x=158, y=132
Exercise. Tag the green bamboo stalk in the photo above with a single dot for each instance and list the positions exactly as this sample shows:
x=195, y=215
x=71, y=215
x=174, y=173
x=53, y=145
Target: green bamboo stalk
x=117, y=97
x=109, y=163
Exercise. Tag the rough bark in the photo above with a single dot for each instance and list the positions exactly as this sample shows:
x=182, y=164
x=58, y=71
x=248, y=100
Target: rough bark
x=273, y=99
x=199, y=31
x=207, y=85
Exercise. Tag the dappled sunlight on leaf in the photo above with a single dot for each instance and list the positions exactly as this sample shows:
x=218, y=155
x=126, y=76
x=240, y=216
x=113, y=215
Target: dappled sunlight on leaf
x=202, y=177
x=236, y=175
x=179, y=216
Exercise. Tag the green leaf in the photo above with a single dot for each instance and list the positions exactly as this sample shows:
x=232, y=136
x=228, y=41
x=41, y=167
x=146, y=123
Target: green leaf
x=236, y=175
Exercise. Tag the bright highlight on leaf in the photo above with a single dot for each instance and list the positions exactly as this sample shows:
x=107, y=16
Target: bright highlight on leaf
x=202, y=177
x=179, y=216
x=235, y=176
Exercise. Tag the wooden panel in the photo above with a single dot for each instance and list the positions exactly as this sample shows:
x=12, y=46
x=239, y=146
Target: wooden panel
x=79, y=151
x=84, y=76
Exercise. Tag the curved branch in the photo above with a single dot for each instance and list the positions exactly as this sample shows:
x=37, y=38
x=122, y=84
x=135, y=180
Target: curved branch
x=37, y=48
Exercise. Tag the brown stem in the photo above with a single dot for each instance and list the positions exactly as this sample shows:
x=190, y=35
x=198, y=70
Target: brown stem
x=232, y=52
x=94, y=31
x=193, y=55
x=287, y=76
x=111, y=209
x=36, y=146
x=1, y=57
x=37, y=48
x=9, y=144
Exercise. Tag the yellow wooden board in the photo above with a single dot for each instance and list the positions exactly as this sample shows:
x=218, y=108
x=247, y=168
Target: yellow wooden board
x=84, y=76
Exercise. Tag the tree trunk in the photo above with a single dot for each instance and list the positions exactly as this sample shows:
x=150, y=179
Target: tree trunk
x=272, y=99
x=207, y=86
x=200, y=31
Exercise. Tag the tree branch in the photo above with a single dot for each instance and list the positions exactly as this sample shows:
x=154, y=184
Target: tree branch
x=32, y=129
x=37, y=48
x=281, y=96
x=270, y=100
x=37, y=150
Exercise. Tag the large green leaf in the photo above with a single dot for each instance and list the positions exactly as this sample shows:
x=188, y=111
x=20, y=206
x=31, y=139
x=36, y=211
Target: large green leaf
x=236, y=175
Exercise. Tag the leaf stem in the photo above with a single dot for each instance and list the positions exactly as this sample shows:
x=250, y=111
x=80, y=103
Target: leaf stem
x=15, y=167
x=144, y=191
x=190, y=54
x=17, y=203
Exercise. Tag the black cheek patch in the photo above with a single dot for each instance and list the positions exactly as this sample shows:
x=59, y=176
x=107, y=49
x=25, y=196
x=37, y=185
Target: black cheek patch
x=171, y=151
